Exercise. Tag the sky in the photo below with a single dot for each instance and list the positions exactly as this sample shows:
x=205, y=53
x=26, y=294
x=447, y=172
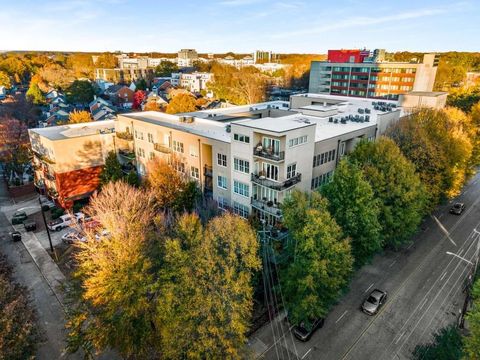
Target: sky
x=241, y=26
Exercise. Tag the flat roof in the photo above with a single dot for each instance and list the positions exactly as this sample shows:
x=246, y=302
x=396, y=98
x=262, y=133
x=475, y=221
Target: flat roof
x=427, y=93
x=70, y=131
x=278, y=124
x=208, y=128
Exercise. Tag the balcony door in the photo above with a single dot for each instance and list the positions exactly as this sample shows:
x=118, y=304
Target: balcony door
x=271, y=145
x=270, y=171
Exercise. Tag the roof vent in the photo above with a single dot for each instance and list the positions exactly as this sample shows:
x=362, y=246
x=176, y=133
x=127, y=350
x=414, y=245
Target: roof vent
x=228, y=128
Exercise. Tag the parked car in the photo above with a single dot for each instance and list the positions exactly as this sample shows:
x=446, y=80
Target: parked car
x=374, y=302
x=46, y=203
x=15, y=236
x=60, y=223
x=19, y=217
x=457, y=208
x=30, y=225
x=73, y=236
x=304, y=333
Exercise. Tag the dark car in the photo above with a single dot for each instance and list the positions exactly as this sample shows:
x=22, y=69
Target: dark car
x=374, y=302
x=457, y=208
x=16, y=236
x=30, y=225
x=304, y=333
x=19, y=217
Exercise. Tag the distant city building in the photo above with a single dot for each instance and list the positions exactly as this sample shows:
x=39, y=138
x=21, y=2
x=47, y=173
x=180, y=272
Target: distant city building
x=69, y=159
x=362, y=73
x=195, y=82
x=260, y=56
x=186, y=57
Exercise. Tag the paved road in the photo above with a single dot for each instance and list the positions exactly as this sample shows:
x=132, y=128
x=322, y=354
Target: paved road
x=425, y=294
x=50, y=312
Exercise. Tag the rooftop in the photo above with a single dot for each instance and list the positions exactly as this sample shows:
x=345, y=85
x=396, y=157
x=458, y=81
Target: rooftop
x=63, y=132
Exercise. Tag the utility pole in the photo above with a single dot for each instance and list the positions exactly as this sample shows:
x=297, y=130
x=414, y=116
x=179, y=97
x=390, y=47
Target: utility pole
x=46, y=227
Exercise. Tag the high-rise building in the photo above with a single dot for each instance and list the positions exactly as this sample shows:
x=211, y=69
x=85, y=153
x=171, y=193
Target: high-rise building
x=186, y=57
x=362, y=73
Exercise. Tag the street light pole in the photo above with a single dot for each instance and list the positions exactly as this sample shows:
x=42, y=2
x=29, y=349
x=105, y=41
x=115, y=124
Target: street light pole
x=458, y=256
x=46, y=227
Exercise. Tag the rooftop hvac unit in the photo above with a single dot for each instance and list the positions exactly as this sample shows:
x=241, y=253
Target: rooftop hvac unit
x=367, y=111
x=228, y=128
x=181, y=119
x=360, y=111
x=367, y=118
x=330, y=119
x=343, y=121
x=189, y=119
x=361, y=119
x=250, y=109
x=335, y=121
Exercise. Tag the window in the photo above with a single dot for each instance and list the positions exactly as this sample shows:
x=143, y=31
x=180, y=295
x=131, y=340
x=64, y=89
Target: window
x=271, y=145
x=222, y=182
x=342, y=149
x=139, y=135
x=321, y=180
x=324, y=158
x=177, y=146
x=241, y=138
x=179, y=166
x=151, y=155
x=291, y=170
x=241, y=165
x=222, y=160
x=150, y=138
x=194, y=172
x=297, y=141
x=193, y=151
x=240, y=209
x=241, y=188
x=222, y=203
x=270, y=171
x=140, y=152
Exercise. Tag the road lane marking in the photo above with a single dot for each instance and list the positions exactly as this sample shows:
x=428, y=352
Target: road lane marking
x=368, y=288
x=394, y=261
x=444, y=274
x=340, y=318
x=401, y=335
x=303, y=357
x=423, y=303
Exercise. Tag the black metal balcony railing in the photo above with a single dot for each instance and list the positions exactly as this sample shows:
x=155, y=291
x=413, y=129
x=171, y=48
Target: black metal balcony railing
x=270, y=155
x=268, y=206
x=208, y=170
x=127, y=154
x=162, y=148
x=276, y=185
x=124, y=135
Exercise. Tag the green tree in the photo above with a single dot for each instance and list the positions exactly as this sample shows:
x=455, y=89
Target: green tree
x=114, y=277
x=402, y=196
x=472, y=341
x=132, y=179
x=446, y=345
x=320, y=258
x=181, y=103
x=353, y=205
x=80, y=92
x=207, y=282
x=112, y=171
x=35, y=95
x=141, y=85
x=5, y=80
x=166, y=68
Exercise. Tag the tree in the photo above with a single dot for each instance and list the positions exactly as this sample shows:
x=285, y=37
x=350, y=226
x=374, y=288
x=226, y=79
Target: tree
x=138, y=99
x=76, y=117
x=141, y=85
x=80, y=92
x=402, y=197
x=152, y=106
x=353, y=205
x=320, y=258
x=446, y=345
x=166, y=68
x=207, y=285
x=472, y=341
x=112, y=171
x=181, y=103
x=56, y=76
x=18, y=327
x=171, y=189
x=114, y=306
x=15, y=145
x=35, y=95
x=5, y=80
x=106, y=60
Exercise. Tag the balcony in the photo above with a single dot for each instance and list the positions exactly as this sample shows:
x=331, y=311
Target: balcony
x=208, y=171
x=269, y=155
x=276, y=185
x=124, y=135
x=267, y=206
x=126, y=154
x=162, y=148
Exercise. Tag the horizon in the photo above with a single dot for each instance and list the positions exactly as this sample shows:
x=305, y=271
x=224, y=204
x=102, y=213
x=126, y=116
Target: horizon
x=240, y=26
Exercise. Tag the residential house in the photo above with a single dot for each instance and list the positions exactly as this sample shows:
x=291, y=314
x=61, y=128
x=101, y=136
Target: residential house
x=121, y=96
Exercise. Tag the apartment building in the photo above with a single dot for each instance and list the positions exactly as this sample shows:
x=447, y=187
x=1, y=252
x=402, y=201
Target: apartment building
x=68, y=159
x=196, y=81
x=362, y=73
x=249, y=158
x=186, y=57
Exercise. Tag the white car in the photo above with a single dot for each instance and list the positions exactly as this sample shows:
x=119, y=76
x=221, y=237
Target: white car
x=73, y=236
x=60, y=223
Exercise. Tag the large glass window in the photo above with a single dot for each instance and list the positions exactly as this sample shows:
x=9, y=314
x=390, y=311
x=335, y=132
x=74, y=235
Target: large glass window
x=222, y=160
x=241, y=165
x=241, y=188
x=270, y=171
x=222, y=182
x=271, y=145
x=291, y=170
x=240, y=209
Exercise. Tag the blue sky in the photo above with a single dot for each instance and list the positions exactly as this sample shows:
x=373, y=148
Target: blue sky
x=239, y=25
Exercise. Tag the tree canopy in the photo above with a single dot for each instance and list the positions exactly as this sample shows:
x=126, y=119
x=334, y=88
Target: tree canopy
x=181, y=103
x=166, y=68
x=76, y=117
x=80, y=92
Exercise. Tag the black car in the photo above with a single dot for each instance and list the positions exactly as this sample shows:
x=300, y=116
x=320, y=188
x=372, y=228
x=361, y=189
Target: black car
x=16, y=236
x=30, y=225
x=457, y=208
x=19, y=217
x=304, y=333
x=374, y=302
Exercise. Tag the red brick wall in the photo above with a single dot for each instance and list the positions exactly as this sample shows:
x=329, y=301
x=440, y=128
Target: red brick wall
x=75, y=183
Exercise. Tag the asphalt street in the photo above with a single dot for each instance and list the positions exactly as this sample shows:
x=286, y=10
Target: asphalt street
x=425, y=293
